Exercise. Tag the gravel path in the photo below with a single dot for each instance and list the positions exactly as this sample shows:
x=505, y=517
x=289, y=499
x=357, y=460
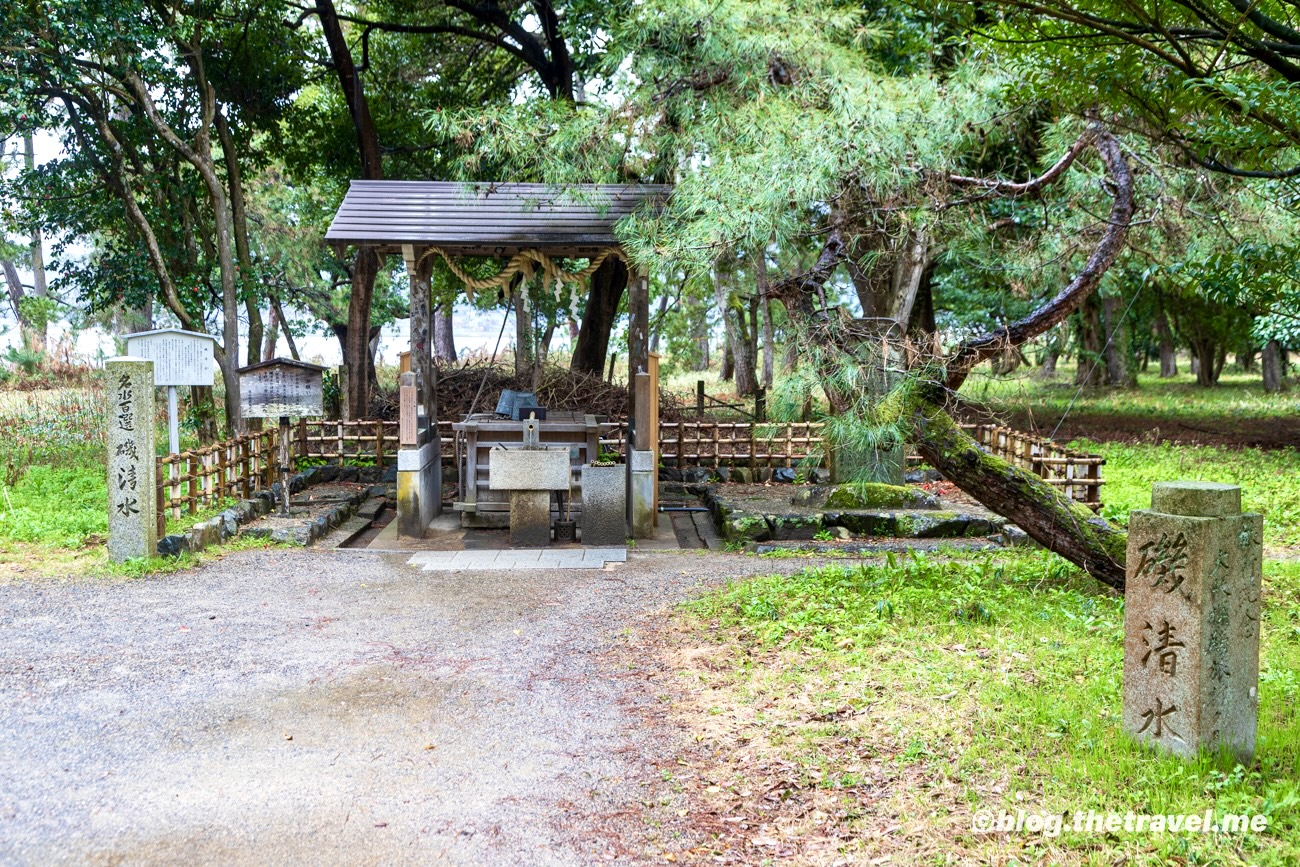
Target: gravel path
x=332, y=707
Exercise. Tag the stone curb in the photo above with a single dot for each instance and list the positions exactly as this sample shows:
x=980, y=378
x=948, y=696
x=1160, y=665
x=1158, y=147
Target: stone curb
x=226, y=525
x=308, y=532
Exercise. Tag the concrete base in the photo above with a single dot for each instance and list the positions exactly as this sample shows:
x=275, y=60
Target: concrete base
x=419, y=489
x=530, y=519
x=484, y=520
x=641, y=494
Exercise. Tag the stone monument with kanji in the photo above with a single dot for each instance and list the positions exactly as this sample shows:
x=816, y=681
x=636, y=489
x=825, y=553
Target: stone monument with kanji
x=1191, y=620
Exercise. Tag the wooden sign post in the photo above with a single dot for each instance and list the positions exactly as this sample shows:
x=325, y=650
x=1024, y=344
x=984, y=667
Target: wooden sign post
x=281, y=388
x=179, y=358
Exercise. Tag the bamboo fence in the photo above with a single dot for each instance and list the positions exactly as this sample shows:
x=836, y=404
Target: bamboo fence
x=201, y=477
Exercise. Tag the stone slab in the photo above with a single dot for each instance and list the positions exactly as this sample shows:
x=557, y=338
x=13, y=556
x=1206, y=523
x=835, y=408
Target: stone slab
x=505, y=560
x=530, y=518
x=604, y=505
x=641, y=502
x=132, y=504
x=543, y=469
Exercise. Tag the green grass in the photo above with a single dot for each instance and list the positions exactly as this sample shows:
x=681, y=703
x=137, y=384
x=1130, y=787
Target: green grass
x=56, y=506
x=1269, y=479
x=993, y=682
x=1238, y=396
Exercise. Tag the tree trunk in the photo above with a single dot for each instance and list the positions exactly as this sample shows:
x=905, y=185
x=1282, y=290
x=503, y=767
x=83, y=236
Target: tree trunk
x=742, y=363
x=743, y=354
x=1271, y=362
x=200, y=156
x=698, y=315
x=1168, y=351
x=239, y=229
x=604, y=294
x=444, y=336
x=1205, y=354
x=1045, y=513
x=769, y=333
x=1118, y=368
x=1051, y=353
x=658, y=326
x=525, y=356
x=1058, y=524
x=727, y=372
x=922, y=321
x=39, y=288
x=356, y=343
x=356, y=355
x=762, y=284
x=16, y=296
x=284, y=326
x=1089, y=371
x=1053, y=343
x=272, y=335
x=1246, y=358
x=888, y=272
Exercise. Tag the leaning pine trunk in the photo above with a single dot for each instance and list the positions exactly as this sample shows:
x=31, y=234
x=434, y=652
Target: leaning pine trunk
x=1058, y=524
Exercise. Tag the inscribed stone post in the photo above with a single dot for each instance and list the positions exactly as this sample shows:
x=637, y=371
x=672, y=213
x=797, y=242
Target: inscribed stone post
x=132, y=517
x=1191, y=620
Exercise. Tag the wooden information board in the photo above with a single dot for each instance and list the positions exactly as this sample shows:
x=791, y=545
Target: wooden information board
x=281, y=387
x=179, y=357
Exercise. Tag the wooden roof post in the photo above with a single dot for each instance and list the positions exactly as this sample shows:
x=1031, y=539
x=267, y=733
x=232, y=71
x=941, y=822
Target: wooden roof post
x=419, y=268
x=638, y=329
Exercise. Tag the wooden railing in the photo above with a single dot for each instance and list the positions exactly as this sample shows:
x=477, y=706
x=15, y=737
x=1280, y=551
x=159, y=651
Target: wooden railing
x=723, y=444
x=202, y=477
x=744, y=444
x=372, y=441
x=1076, y=473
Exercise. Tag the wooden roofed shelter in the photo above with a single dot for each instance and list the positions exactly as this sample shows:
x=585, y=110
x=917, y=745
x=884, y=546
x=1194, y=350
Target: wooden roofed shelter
x=531, y=223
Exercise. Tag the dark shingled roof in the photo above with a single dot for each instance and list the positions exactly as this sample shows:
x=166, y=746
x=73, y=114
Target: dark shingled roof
x=488, y=218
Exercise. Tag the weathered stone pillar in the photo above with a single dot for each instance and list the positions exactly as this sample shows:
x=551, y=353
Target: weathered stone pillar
x=641, y=494
x=132, y=515
x=1191, y=620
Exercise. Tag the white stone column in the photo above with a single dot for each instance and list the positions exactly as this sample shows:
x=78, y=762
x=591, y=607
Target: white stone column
x=132, y=493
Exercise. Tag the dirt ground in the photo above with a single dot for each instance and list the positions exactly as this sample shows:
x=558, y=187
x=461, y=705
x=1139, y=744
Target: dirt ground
x=285, y=706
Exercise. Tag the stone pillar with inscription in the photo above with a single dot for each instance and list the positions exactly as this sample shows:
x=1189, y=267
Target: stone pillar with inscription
x=132, y=516
x=1191, y=620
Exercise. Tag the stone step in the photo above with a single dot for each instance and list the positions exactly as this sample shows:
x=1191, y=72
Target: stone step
x=346, y=532
x=372, y=508
x=871, y=523
x=915, y=523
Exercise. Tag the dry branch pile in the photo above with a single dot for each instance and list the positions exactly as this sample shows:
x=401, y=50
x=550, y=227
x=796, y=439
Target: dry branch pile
x=561, y=389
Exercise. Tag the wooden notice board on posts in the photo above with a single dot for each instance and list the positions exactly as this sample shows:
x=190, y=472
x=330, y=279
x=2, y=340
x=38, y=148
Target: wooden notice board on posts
x=652, y=367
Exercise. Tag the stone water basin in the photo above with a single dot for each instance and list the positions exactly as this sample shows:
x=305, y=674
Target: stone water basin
x=529, y=469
